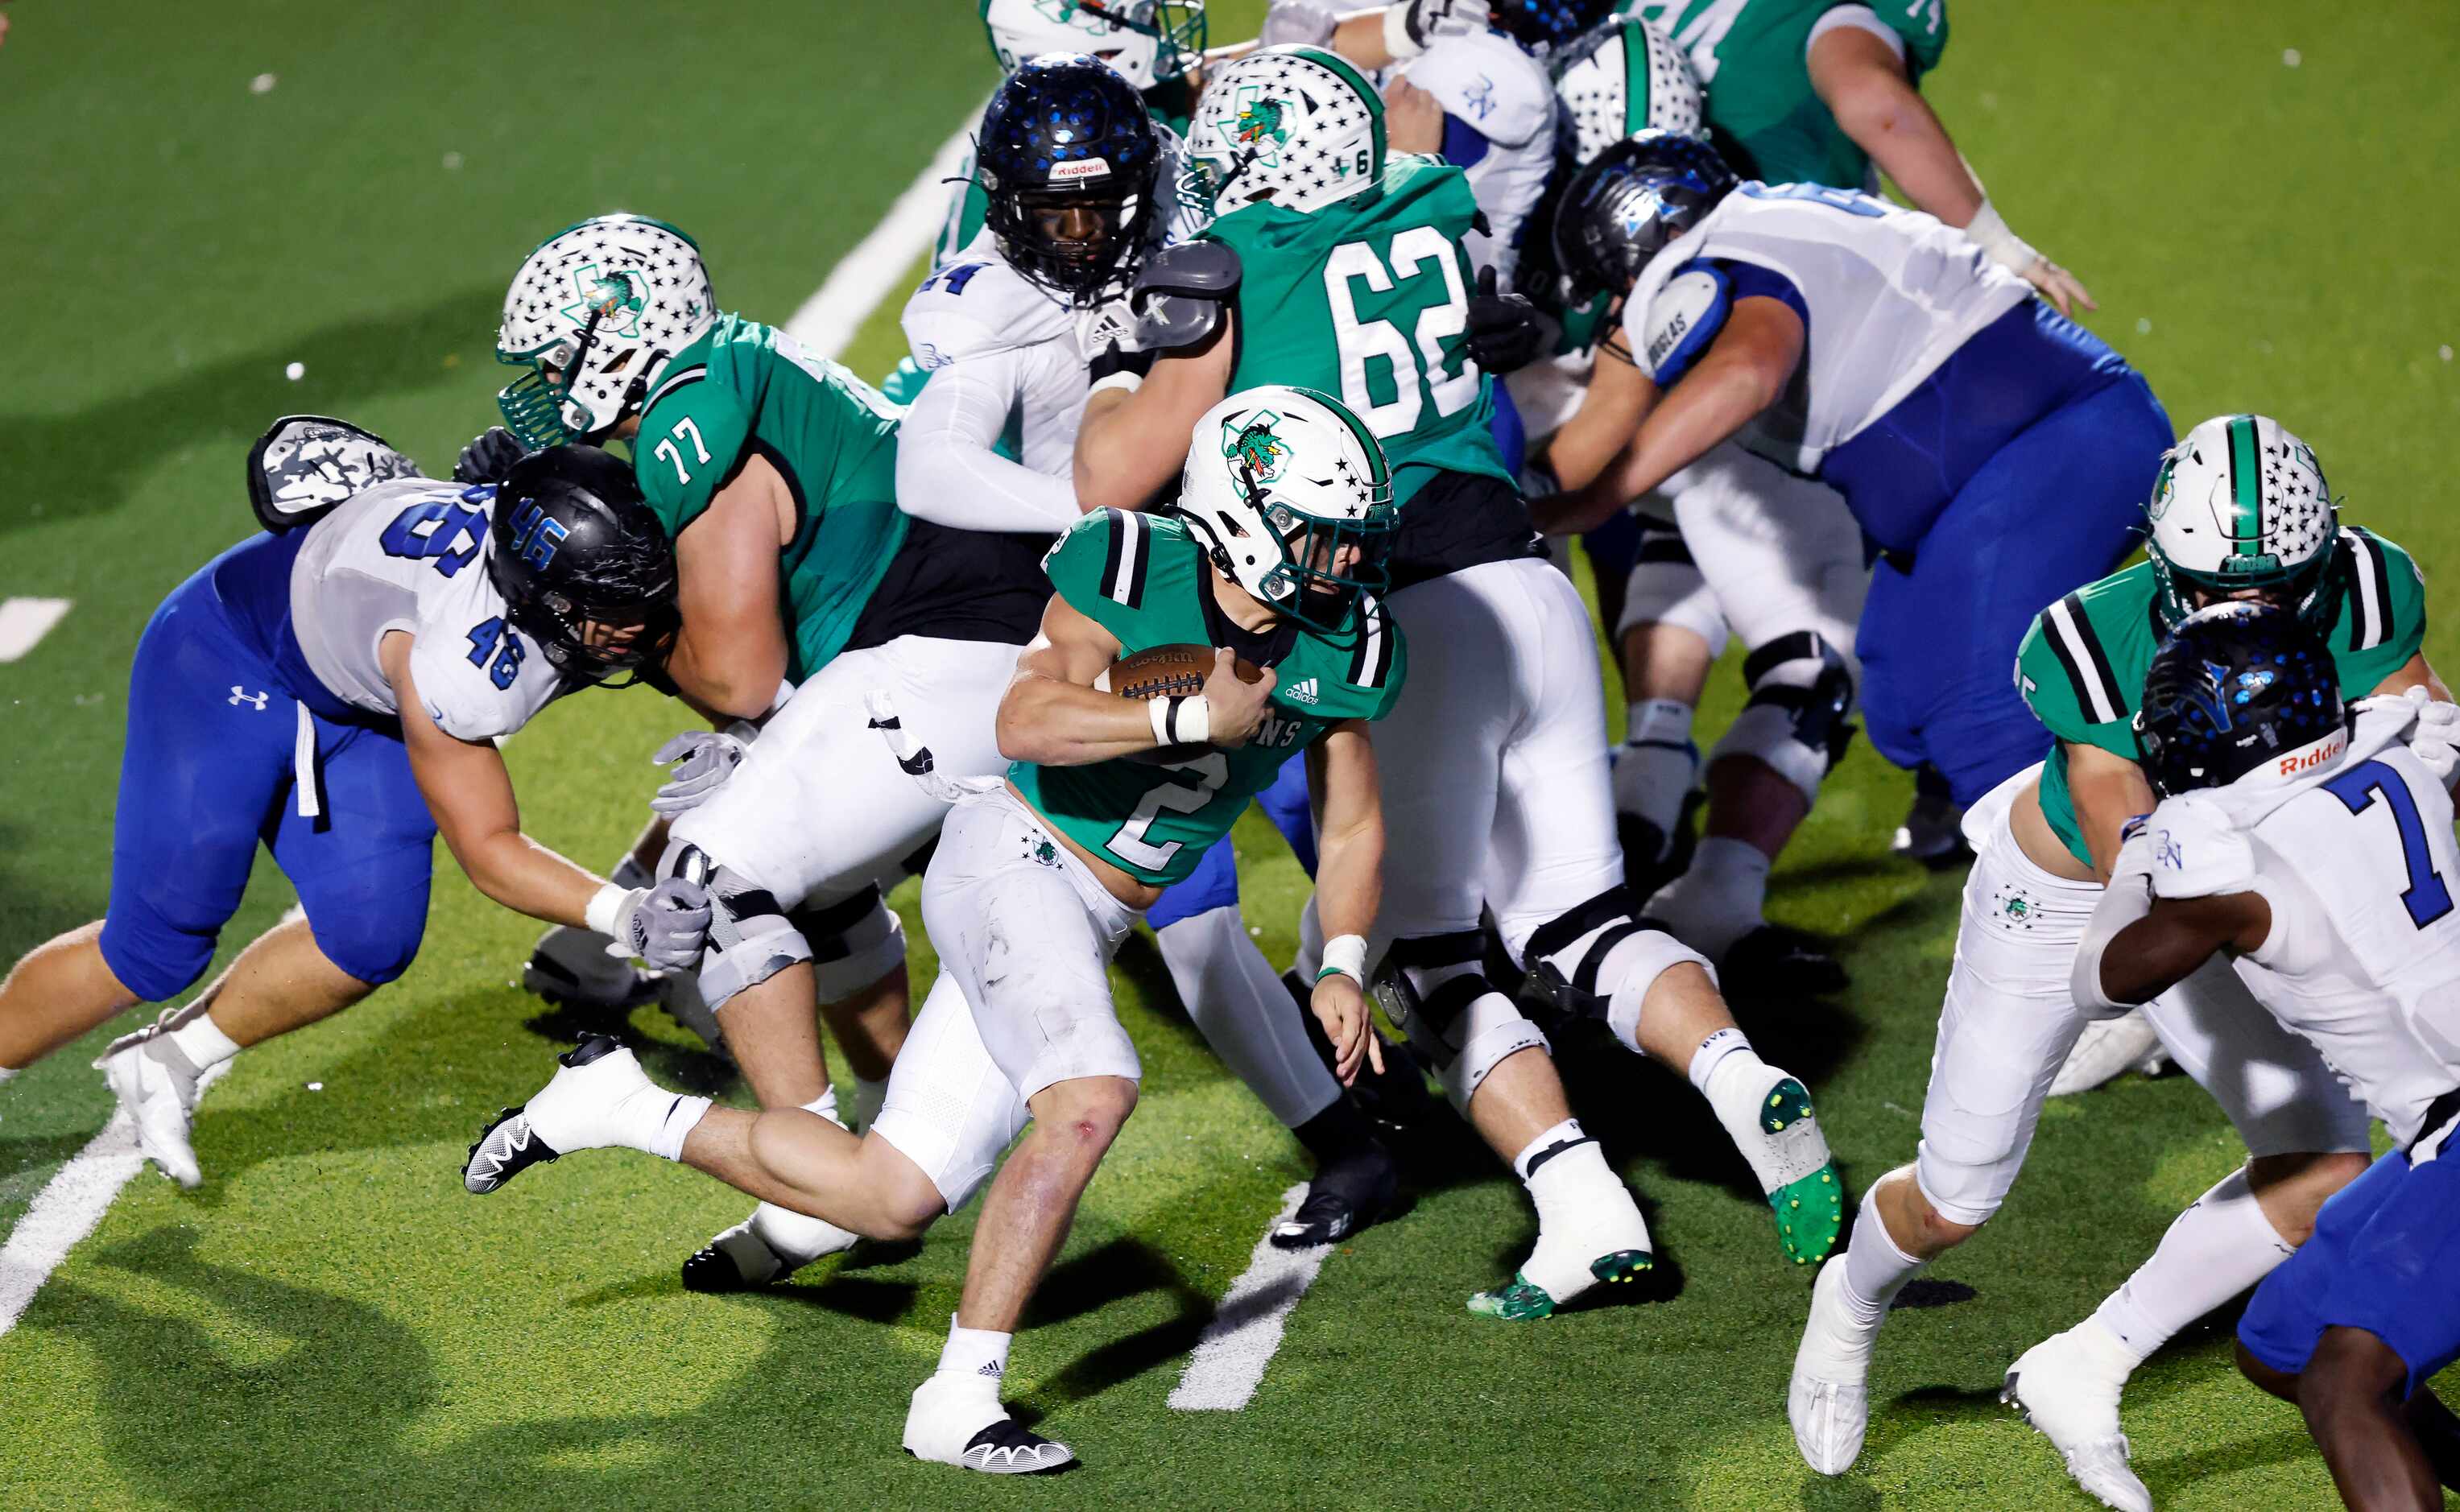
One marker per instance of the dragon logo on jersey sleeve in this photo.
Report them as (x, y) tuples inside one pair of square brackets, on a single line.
[(1254, 446), (614, 297)]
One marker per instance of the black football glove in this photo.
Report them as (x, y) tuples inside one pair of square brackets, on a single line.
[(490, 457), (1506, 332)]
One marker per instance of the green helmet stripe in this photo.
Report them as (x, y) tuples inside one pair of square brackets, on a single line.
[(1635, 77), (1383, 474), (2247, 484)]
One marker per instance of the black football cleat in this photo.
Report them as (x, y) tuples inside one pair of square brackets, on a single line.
[(1347, 1194), (1773, 961)]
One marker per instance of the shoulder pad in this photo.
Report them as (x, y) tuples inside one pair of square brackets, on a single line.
[(1179, 293), (692, 434), (976, 304), (303, 465), (1487, 83), (1680, 322), (2197, 850)]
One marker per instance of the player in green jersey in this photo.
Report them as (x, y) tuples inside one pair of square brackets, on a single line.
[(1330, 266), (2239, 511), (803, 586), (1272, 559)]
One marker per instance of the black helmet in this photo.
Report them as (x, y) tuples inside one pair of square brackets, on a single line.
[(1066, 130), (2235, 686), (581, 561), (1542, 24), (1631, 200)]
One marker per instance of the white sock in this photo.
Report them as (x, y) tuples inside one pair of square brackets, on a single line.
[(2215, 1249), (978, 1354), (1567, 1132), (1718, 898), (1585, 1212), (1657, 764), (673, 1120), (203, 1042), (868, 1096), (1712, 1053), (1876, 1269), (5, 1072)]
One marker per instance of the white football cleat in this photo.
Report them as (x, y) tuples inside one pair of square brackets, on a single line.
[(2108, 1049), (1608, 1243), (570, 968), (763, 1249), (156, 1087), (2068, 1388), (581, 1108), (1828, 1396), (955, 1420)]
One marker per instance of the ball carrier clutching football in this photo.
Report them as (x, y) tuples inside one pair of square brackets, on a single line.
[(1332, 267), (1273, 559)]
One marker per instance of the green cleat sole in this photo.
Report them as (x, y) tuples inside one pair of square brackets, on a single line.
[(1810, 1215), (1523, 1299)]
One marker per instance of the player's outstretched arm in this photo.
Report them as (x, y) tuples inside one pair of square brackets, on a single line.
[(1744, 371), (948, 470), (1349, 889), (2163, 944), (1862, 83), (1617, 399), (1133, 440), (731, 653)]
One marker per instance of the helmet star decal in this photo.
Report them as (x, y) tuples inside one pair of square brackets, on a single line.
[(614, 297), (1255, 447)]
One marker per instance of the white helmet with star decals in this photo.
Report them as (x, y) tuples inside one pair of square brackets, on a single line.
[(1291, 496), (604, 305), (1149, 42), (2241, 507), (1621, 79), (1296, 126)]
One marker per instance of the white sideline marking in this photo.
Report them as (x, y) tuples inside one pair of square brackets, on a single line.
[(828, 320), (1229, 1361), (24, 621), (69, 1206)]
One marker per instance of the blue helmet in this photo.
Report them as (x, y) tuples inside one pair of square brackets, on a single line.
[(2235, 687), (1631, 200), (1542, 24), (586, 569), (1069, 158)]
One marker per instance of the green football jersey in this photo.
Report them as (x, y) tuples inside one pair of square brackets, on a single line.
[(2082, 666), (745, 387), (1750, 57), (1144, 579), (1368, 299)]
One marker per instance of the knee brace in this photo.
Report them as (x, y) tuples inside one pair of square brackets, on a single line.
[(1436, 990), (750, 937), (1666, 587), (1599, 958), (1797, 718), (854, 942)]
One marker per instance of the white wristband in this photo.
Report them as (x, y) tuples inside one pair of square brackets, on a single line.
[(605, 908), (1397, 40), (1123, 381), (1347, 955), (1181, 720), (1989, 232)]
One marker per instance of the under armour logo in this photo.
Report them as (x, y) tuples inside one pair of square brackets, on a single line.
[(240, 695)]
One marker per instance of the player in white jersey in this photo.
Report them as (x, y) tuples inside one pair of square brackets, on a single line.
[(1008, 334), (2313, 850), (335, 688)]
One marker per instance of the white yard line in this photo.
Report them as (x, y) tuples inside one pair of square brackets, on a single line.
[(69, 1206), (876, 269), (1229, 1361), (24, 621)]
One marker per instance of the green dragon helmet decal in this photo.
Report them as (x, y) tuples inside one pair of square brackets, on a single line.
[(2240, 506), (1293, 501), (1150, 42), (1293, 126), (604, 305), (1623, 78)]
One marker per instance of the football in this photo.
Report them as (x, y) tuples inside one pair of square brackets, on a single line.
[(1169, 671)]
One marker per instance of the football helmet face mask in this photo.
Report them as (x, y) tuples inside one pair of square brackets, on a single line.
[(2235, 688), (1291, 496), (2238, 507), (1150, 42), (1622, 79), (586, 569), (1624, 208), (1542, 25), (604, 305), (1296, 126), (1069, 158)]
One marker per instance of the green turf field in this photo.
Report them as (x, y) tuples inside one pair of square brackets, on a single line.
[(330, 1321)]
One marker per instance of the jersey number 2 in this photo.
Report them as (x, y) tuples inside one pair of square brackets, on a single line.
[(2426, 897), (684, 429), (1417, 369), (1129, 845)]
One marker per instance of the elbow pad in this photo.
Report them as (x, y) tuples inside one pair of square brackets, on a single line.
[(1180, 294)]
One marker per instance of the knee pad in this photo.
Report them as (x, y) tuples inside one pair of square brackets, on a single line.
[(1435, 988), (1599, 957), (750, 937), (854, 942), (1797, 720), (1666, 587)]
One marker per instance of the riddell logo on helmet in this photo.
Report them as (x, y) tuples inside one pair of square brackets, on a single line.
[(2312, 757), (1081, 169)]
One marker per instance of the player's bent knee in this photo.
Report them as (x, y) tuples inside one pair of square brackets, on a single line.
[(2283, 1384), (854, 943), (154, 961), (750, 937), (1434, 990), (2293, 1188), (374, 951), (1600, 959), (1798, 719), (2350, 1366), (1090, 1110)]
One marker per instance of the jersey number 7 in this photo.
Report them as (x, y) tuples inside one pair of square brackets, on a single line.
[(2426, 897)]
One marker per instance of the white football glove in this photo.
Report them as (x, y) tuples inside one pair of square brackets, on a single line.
[(704, 759), (2435, 738), (1307, 21), (1410, 25), (666, 926)]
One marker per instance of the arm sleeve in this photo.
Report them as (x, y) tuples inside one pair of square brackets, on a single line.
[(2197, 849), (460, 694), (946, 472)]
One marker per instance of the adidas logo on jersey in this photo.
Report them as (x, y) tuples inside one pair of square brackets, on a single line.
[(1303, 692)]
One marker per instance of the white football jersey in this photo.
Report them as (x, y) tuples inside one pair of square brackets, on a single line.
[(2357, 861), (1892, 293), (412, 556), (977, 308), (1488, 83)]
